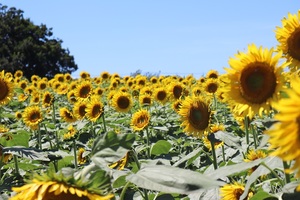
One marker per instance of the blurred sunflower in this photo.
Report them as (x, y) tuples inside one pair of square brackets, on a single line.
[(63, 88), (288, 37), (212, 74), (176, 105), (32, 116), (284, 135), (68, 77), (120, 164), (154, 79), (94, 109), (59, 77), (176, 89), (202, 80), (211, 85), (71, 96), (140, 120), (65, 185), (98, 91), (252, 155), (145, 100), (105, 75), (84, 75), (254, 81), (80, 158), (213, 129), (35, 98), (67, 115), (122, 101), (79, 109), (47, 99), (83, 90), (18, 115), (22, 97), (18, 74), (35, 78), (195, 116), (161, 95), (71, 134), (197, 90), (6, 89), (23, 84), (42, 84), (233, 191)]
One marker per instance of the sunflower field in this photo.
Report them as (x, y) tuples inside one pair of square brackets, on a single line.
[(230, 136)]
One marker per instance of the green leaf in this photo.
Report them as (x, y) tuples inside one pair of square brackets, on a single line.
[(161, 147), (30, 153), (21, 138), (261, 195), (170, 179), (120, 182), (190, 157)]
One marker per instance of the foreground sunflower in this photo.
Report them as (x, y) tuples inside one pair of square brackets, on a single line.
[(284, 135), (32, 116), (6, 89), (254, 81), (288, 37), (195, 114), (233, 192), (63, 186), (140, 120), (122, 101)]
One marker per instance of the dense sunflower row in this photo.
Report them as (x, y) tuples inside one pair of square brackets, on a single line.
[(217, 113)]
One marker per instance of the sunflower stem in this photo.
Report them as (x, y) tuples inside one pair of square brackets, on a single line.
[(246, 121), (75, 154), (136, 160), (122, 195), (148, 142), (287, 175), (254, 135), (16, 164), (54, 122), (39, 138), (274, 173), (223, 153), (104, 124), (214, 154)]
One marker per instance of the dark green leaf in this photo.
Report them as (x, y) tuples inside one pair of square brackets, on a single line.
[(161, 147)]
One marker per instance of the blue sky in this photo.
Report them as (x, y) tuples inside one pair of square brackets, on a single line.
[(170, 37)]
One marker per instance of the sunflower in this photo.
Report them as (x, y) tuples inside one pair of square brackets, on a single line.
[(161, 95), (288, 37), (42, 84), (18, 115), (35, 98), (84, 75), (59, 77), (176, 90), (120, 164), (122, 101), (18, 74), (65, 185), (80, 158), (63, 88), (83, 90), (105, 75), (79, 109), (213, 129), (22, 97), (6, 90), (71, 96), (284, 135), (153, 79), (141, 81), (145, 100), (140, 120), (71, 134), (47, 99), (214, 74), (32, 116), (98, 91), (67, 115), (195, 114), (35, 78), (197, 90), (94, 108), (252, 155), (23, 84), (202, 80), (254, 81), (68, 77), (176, 105), (211, 85), (233, 191), (146, 90)]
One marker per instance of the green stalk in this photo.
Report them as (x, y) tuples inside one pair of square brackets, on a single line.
[(246, 121), (287, 175), (39, 138), (148, 143), (254, 136), (274, 173), (122, 195), (214, 154), (16, 164), (223, 153), (75, 154), (54, 122), (104, 125)]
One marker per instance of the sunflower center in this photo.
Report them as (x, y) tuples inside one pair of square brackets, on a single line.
[(238, 192), (258, 82), (141, 121), (82, 110), (161, 95), (84, 91), (212, 87), (96, 110), (123, 102), (294, 44), (177, 91), (34, 117), (199, 116), (4, 89), (146, 100)]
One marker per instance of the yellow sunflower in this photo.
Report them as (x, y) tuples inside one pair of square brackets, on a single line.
[(213, 129), (47, 99), (18, 115), (71, 134), (252, 155), (94, 108), (80, 158), (212, 74), (18, 74), (176, 105), (63, 186), (67, 115), (84, 75), (161, 95), (79, 109), (195, 115), (211, 85), (68, 77), (83, 90), (71, 96), (288, 37), (122, 101), (35, 98), (233, 191), (284, 135), (105, 75), (140, 120), (42, 84), (154, 79), (23, 84), (120, 164), (6, 90), (145, 100), (176, 89), (32, 116), (254, 81)]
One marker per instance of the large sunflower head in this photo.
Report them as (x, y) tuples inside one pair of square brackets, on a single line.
[(288, 37), (66, 185), (6, 90), (140, 120), (122, 101), (94, 108), (284, 135), (83, 90), (32, 116), (79, 109), (196, 114), (254, 80)]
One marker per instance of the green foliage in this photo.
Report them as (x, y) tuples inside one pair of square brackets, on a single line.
[(31, 48)]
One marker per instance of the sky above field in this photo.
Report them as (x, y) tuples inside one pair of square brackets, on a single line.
[(166, 37)]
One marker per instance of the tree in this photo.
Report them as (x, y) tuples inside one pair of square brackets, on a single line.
[(30, 48)]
